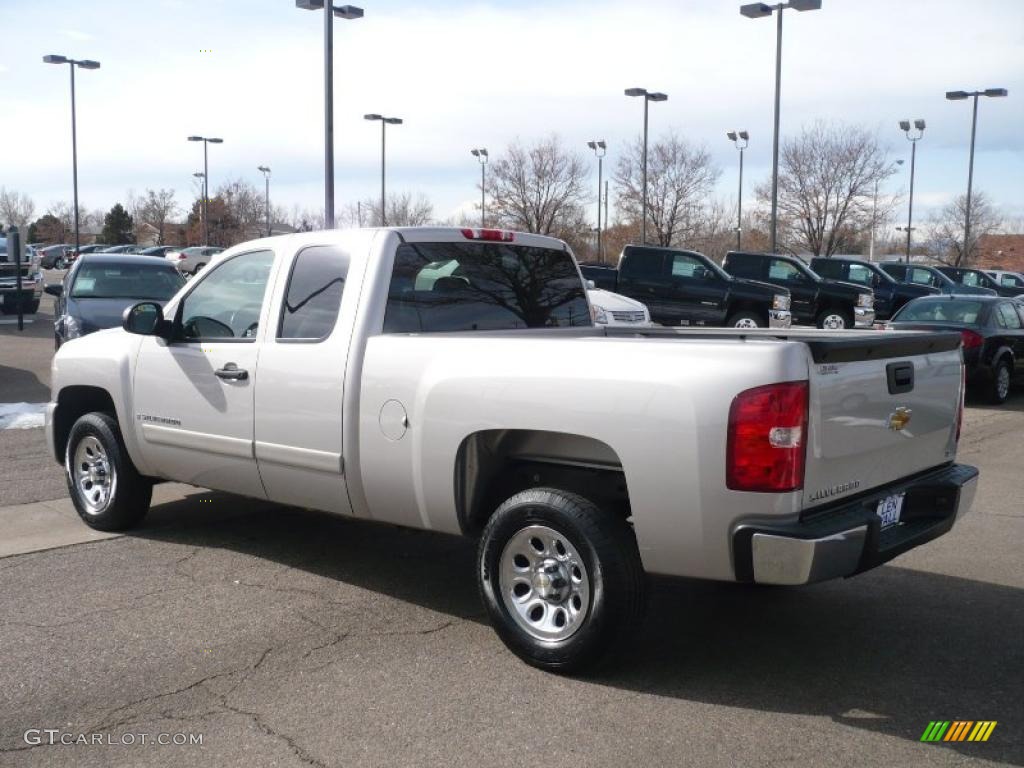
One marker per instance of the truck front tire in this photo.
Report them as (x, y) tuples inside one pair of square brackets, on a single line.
[(835, 319), (108, 492), (561, 579), (744, 319)]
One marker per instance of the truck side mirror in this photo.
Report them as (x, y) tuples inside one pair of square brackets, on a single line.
[(145, 319), (54, 289)]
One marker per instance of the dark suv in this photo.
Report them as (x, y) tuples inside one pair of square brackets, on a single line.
[(825, 303), (890, 294), (922, 274), (687, 288), (975, 278)]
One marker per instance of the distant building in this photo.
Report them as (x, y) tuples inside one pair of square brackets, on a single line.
[(1001, 252)]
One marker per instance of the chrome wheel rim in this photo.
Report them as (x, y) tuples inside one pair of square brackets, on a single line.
[(93, 475), (544, 583), (746, 322), (834, 322), (1003, 382)]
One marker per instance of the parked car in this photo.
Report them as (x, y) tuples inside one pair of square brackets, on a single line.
[(992, 328), (614, 309), (54, 256), (31, 281), (1007, 278), (125, 248), (191, 260), (159, 250), (489, 405), (687, 288), (81, 251), (977, 278), (921, 274), (100, 286), (890, 294), (829, 304)]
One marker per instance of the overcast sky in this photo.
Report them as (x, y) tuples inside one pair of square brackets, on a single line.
[(470, 74)]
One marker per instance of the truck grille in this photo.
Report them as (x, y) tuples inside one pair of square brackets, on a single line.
[(628, 316)]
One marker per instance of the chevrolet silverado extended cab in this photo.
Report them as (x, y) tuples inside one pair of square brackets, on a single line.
[(363, 373)]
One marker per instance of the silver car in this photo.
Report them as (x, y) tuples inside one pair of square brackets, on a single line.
[(191, 260)]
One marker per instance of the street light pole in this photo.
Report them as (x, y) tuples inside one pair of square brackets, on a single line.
[(384, 123), (755, 11), (648, 98), (905, 127), (342, 12), (959, 96), (206, 183), (84, 64), (736, 137), (266, 178), (600, 150), (481, 155)]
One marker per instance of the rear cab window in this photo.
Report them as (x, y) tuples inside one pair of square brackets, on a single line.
[(480, 286), (745, 265)]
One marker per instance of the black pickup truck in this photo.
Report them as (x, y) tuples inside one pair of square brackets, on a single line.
[(975, 278), (826, 303), (890, 294), (687, 288)]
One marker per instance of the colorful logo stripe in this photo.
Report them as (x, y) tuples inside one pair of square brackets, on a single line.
[(959, 730)]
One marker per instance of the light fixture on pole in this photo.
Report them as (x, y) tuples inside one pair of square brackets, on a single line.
[(648, 98), (83, 64), (384, 123), (736, 137), (600, 150), (913, 139), (959, 96), (342, 12), (481, 155), (206, 184), (266, 178), (757, 11)]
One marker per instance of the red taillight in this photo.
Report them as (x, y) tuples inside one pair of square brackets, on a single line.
[(181, 256), (494, 235), (971, 339), (767, 439)]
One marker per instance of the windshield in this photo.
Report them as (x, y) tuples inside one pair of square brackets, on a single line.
[(956, 311), (126, 281)]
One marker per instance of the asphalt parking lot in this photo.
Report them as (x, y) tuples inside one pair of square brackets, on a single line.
[(287, 637)]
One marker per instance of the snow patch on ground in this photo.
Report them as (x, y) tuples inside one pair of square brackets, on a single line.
[(21, 415)]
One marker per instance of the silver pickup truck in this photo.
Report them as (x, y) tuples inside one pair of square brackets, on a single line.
[(453, 380)]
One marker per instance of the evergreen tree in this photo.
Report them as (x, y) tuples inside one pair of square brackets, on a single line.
[(118, 227)]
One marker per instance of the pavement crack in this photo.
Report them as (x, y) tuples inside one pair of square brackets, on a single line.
[(180, 563), (269, 730)]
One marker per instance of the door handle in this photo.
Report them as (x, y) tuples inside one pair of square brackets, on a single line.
[(231, 372)]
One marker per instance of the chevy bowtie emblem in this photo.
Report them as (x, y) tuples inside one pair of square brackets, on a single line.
[(899, 419)]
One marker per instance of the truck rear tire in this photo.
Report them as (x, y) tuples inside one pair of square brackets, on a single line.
[(561, 579), (744, 319), (108, 492), (998, 389), (834, 319)]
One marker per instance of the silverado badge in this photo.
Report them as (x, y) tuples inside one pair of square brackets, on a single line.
[(899, 419)]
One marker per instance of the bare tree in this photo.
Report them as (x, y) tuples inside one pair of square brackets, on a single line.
[(679, 179), (827, 178), (946, 243), (403, 211), (156, 208), (16, 209), (538, 188)]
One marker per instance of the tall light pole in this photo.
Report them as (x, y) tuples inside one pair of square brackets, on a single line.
[(756, 11), (600, 150), (481, 155), (84, 64), (958, 96), (648, 98), (342, 12), (266, 178), (736, 137), (202, 217), (206, 183), (384, 123), (905, 127)]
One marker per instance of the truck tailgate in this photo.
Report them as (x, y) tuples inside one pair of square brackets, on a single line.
[(883, 406)]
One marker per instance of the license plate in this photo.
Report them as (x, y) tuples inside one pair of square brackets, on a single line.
[(889, 510)]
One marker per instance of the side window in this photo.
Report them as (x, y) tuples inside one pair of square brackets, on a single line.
[(1008, 318), (1011, 281), (970, 278), (687, 266), (922, 277), (784, 271), (313, 296), (227, 302), (861, 274), (643, 264)]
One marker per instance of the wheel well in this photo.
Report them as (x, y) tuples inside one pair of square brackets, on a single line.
[(835, 306), (492, 465), (73, 403)]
